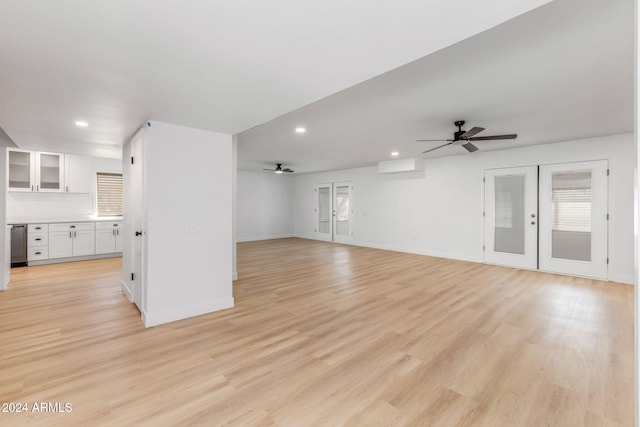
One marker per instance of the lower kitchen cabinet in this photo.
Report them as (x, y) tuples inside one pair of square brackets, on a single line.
[(108, 237), (71, 239)]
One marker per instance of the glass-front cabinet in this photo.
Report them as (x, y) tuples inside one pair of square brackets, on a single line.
[(35, 171)]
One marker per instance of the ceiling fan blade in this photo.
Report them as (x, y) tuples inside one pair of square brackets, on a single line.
[(489, 138), (471, 132), (270, 170), (432, 140), (470, 147), (440, 146), (287, 170)]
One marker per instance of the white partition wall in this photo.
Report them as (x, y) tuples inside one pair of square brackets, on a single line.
[(5, 260), (186, 226)]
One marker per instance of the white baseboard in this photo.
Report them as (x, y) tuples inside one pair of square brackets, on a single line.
[(154, 319), (621, 278), (127, 291), (234, 275), (74, 259), (255, 238), (437, 254)]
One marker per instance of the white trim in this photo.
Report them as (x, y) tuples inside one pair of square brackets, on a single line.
[(234, 275), (185, 312), (621, 278), (127, 291), (253, 239), (73, 259), (436, 254)]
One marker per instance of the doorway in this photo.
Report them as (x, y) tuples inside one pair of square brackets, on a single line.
[(334, 212), (548, 217)]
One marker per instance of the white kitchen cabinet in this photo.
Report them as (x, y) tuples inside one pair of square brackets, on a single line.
[(71, 239), (108, 237), (78, 173), (35, 171), (37, 242), (21, 170)]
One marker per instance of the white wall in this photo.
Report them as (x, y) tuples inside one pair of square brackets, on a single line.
[(188, 226), (234, 208), (438, 211), (25, 207), (265, 206), (4, 232)]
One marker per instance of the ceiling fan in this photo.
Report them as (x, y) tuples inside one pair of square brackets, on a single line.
[(279, 169), (464, 138)]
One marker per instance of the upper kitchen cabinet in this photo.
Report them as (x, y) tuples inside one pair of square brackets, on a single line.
[(35, 171), (78, 171), (21, 170)]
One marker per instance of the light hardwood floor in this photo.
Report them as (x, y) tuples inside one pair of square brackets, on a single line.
[(324, 335)]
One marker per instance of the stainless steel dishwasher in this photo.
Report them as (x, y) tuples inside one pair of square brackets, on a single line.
[(18, 245)]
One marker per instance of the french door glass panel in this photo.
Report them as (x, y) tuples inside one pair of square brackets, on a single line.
[(573, 223), (342, 212), (511, 217), (509, 214), (323, 212), (571, 206)]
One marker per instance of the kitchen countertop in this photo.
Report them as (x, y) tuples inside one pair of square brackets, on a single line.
[(60, 221)]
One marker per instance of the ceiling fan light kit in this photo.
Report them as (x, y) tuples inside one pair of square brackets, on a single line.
[(464, 138), (279, 169)]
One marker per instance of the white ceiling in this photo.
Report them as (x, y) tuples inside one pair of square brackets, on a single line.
[(561, 72), (220, 65)]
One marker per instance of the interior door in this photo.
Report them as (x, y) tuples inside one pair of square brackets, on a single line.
[(137, 215), (573, 218), (511, 217), (342, 212), (323, 212)]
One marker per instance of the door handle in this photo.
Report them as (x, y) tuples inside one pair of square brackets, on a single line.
[(138, 233), (533, 223)]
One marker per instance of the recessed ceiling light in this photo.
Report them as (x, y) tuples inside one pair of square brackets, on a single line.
[(395, 153), (300, 130), (82, 124)]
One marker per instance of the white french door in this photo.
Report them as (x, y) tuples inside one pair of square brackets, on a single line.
[(511, 217), (334, 212), (552, 218), (573, 218)]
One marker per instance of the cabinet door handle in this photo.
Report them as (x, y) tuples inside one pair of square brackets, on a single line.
[(72, 226), (38, 253), (67, 188), (31, 187), (38, 228), (38, 239), (117, 232), (37, 188), (70, 236), (74, 234)]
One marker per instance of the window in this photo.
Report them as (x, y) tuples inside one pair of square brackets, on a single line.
[(109, 194)]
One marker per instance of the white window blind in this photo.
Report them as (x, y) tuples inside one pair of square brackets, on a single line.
[(109, 194), (571, 201)]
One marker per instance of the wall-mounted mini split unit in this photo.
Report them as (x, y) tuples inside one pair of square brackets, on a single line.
[(401, 165)]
